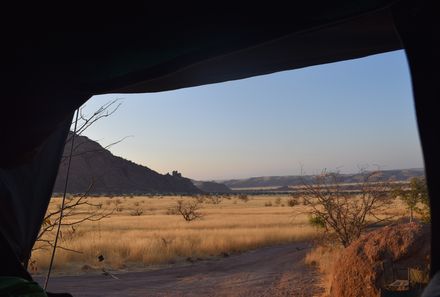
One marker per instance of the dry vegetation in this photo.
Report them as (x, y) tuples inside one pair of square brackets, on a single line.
[(145, 231), (346, 218), (325, 254), (324, 258)]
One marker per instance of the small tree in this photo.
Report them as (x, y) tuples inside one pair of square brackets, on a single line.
[(189, 209), (343, 214), (416, 195), (425, 210)]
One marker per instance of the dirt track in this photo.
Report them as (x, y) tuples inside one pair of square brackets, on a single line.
[(271, 271)]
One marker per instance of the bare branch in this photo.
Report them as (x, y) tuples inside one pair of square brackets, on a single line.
[(342, 213), (75, 210), (189, 209)]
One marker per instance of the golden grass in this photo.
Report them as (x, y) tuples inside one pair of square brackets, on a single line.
[(157, 238), (324, 258)]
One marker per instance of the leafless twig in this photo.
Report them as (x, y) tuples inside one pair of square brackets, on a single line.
[(340, 212)]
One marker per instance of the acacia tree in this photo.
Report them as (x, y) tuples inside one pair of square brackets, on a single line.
[(189, 209), (343, 213), (416, 198)]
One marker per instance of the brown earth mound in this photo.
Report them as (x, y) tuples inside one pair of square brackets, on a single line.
[(360, 269)]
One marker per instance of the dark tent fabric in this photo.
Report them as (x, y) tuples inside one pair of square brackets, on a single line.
[(54, 62), (150, 48), (25, 193)]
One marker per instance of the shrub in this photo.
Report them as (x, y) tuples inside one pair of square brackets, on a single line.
[(199, 198), (214, 199), (189, 209), (243, 197), (137, 212), (292, 201), (317, 221)]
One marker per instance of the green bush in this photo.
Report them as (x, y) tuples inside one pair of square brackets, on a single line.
[(317, 222)]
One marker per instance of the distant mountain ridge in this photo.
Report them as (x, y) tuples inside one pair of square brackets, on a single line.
[(295, 180), (92, 165), (212, 187)]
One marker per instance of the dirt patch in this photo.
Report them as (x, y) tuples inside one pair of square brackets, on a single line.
[(270, 272), (360, 268)]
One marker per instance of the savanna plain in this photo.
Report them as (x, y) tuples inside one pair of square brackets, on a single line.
[(145, 232)]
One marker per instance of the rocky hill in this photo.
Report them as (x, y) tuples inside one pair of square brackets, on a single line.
[(96, 167)]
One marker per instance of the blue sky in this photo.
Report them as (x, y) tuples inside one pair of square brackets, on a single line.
[(340, 115)]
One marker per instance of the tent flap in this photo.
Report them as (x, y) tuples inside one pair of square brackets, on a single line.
[(25, 192)]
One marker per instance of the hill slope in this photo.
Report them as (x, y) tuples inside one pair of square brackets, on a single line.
[(109, 174), (212, 187)]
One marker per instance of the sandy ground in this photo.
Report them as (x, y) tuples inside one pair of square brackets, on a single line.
[(272, 271)]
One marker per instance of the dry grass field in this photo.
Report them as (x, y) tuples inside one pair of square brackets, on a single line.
[(131, 242)]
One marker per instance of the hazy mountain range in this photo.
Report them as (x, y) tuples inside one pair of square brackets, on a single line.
[(96, 169), (212, 187), (294, 180)]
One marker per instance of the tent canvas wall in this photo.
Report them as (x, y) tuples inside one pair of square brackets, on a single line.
[(57, 57)]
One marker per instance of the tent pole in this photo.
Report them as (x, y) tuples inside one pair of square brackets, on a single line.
[(62, 203)]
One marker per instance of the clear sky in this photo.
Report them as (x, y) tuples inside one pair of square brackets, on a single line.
[(340, 115)]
